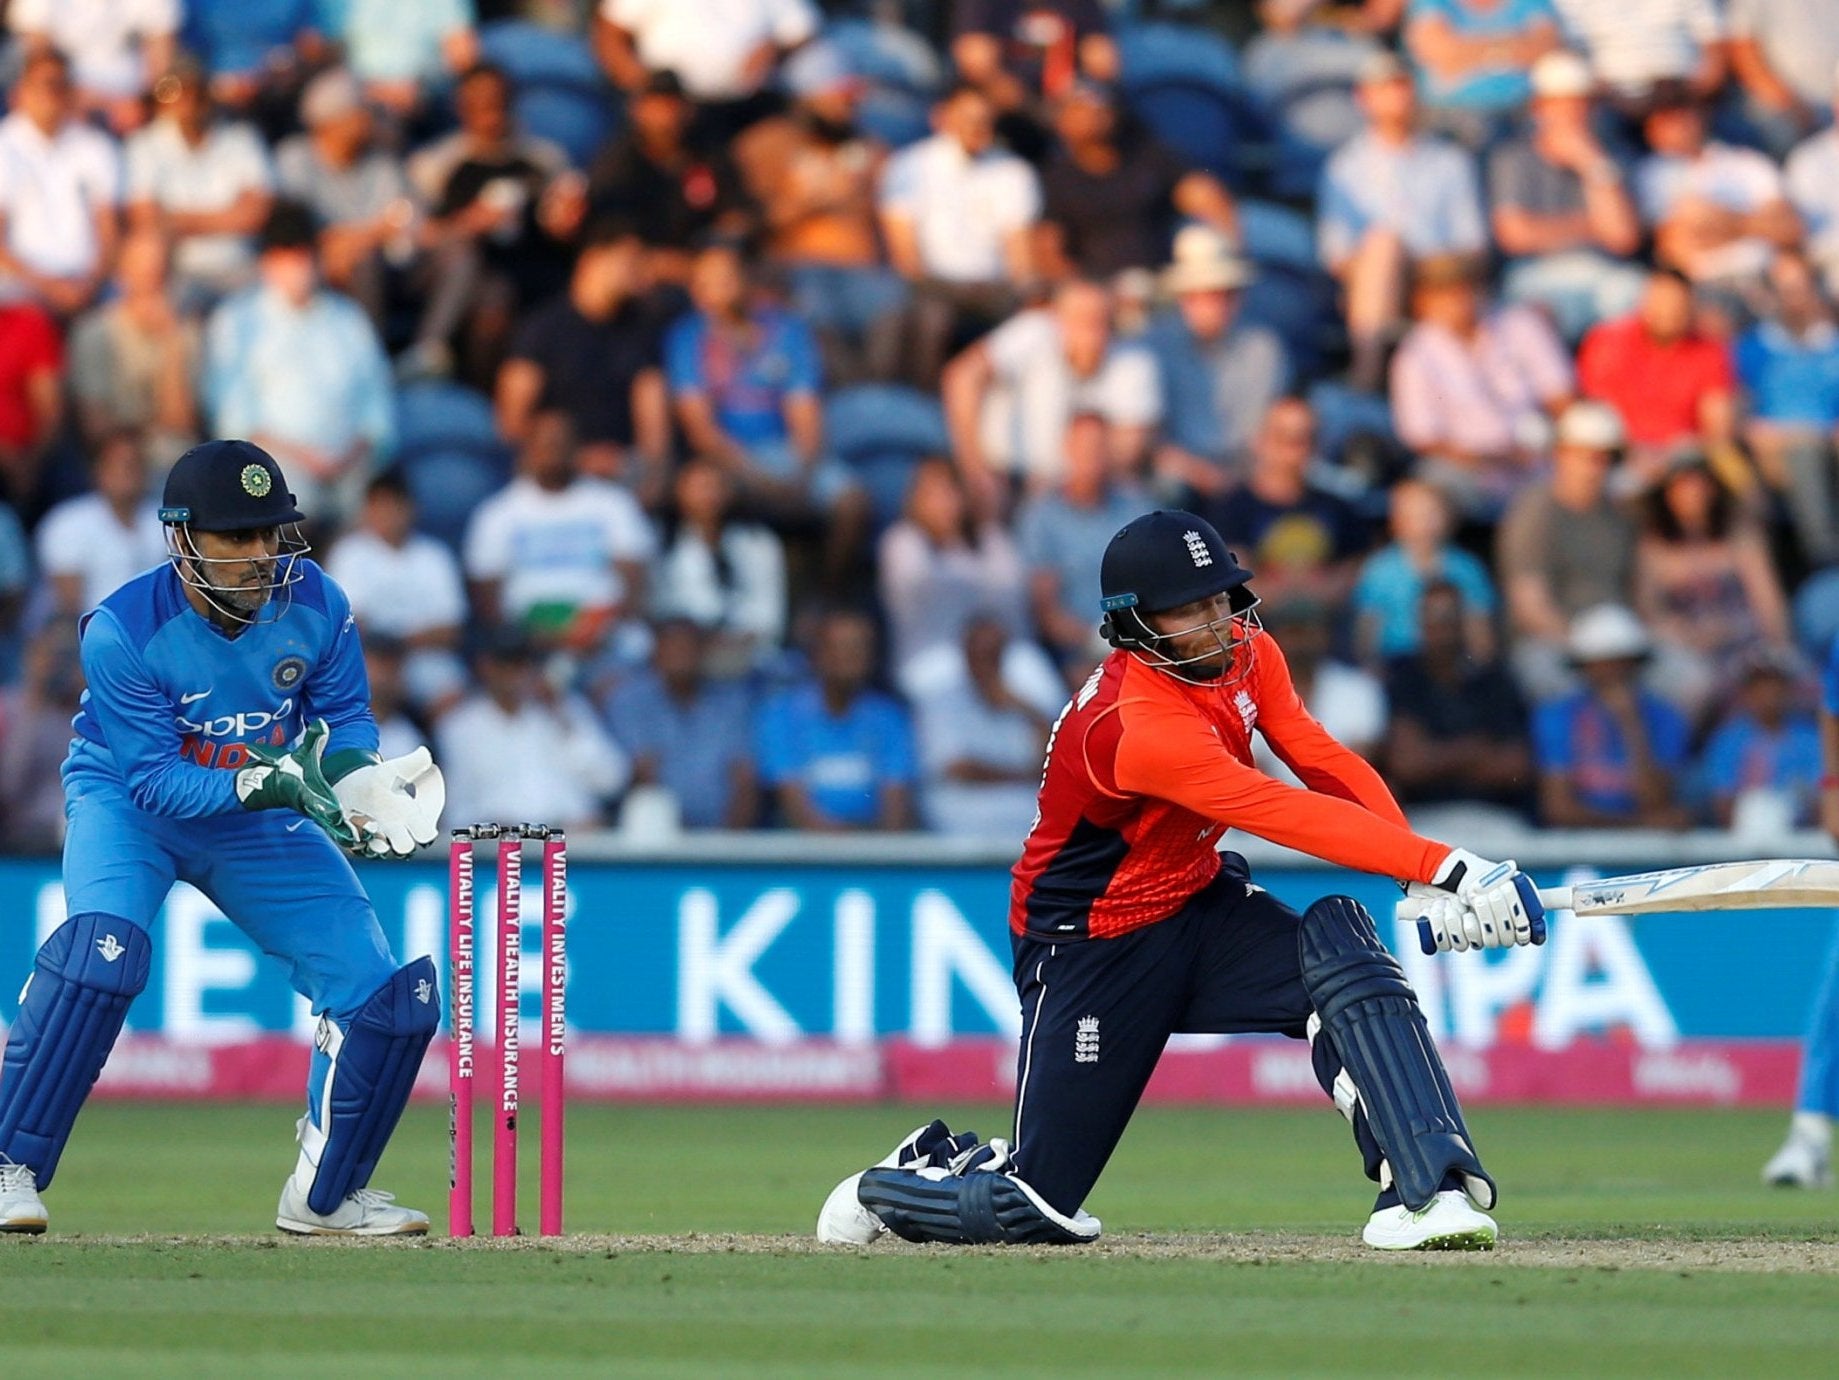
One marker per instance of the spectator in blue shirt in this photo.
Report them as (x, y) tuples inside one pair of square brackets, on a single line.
[(1610, 753), (744, 382), (688, 734), (1473, 56), (1767, 744), (257, 51), (837, 754), (1788, 363), (1391, 583)]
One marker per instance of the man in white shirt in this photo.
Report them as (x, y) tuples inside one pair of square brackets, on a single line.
[(1812, 185), (93, 544), (957, 214), (1010, 396), (117, 48), (406, 587), (560, 555), (205, 182), (60, 182), (1633, 45), (722, 50)]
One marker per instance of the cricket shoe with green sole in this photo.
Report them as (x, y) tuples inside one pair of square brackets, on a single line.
[(21, 1209), (1448, 1222), (368, 1212)]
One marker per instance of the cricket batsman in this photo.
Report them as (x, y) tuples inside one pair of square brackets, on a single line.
[(1129, 925), (226, 740)]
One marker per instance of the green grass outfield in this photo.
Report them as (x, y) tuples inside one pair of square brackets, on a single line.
[(1636, 1243)]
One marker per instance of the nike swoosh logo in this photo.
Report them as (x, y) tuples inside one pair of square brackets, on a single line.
[(197, 695), (295, 825)]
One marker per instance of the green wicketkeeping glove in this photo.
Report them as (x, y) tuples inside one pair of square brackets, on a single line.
[(296, 780)]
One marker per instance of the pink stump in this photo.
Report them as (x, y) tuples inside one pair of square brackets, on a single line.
[(555, 1027), (510, 973), (460, 1035)]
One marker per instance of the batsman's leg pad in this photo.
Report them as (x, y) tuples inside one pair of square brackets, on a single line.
[(86, 976), (364, 1070), (1378, 1030), (981, 1208), (1338, 1083)]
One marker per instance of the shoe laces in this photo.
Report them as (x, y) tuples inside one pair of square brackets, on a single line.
[(16, 1176), (372, 1197)]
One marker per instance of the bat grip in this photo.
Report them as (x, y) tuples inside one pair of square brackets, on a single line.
[(1551, 897), (1556, 897)]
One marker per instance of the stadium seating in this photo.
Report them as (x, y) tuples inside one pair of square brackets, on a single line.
[(881, 431)]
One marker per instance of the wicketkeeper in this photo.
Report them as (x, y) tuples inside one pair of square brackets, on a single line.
[(1128, 924), (226, 740)]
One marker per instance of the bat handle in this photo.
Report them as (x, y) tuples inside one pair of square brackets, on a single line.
[(1551, 897), (1555, 897)]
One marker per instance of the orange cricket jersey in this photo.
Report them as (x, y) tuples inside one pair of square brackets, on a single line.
[(1145, 772)]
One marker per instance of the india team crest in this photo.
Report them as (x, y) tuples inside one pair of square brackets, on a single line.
[(256, 482), (288, 671)]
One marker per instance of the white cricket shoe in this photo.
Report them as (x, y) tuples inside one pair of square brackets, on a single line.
[(21, 1209), (1804, 1161), (1449, 1222), (843, 1221), (367, 1212)]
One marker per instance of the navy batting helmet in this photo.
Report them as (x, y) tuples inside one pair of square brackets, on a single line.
[(1161, 561), (227, 486)]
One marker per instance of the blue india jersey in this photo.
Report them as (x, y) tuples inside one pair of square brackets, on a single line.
[(173, 703)]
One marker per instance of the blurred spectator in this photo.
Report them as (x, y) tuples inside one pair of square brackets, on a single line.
[(116, 49), (1114, 196), (1024, 54), (1668, 381), (385, 663), (725, 51), (1458, 727), (672, 184), (688, 733), (1561, 210), (594, 353), (744, 381), (1763, 759), (498, 203), (204, 183), (60, 181), (31, 395), (300, 371), (1717, 210), (1062, 533), (1473, 57), (724, 574), (257, 53), (1633, 48), (406, 587), (1610, 753), (91, 545), (519, 749), (1705, 585), (957, 213), (1219, 374), (135, 361), (1784, 54), (559, 554), (1009, 397), (359, 193), (403, 52), (814, 174), (1389, 592), (15, 581), (1347, 701), (939, 566), (1564, 546), (981, 746), (1303, 62), (837, 754), (1789, 365), (1388, 195), (1811, 182), (1474, 389), (1304, 542), (35, 719)]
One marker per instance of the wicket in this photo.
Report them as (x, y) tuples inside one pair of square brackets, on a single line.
[(461, 1048)]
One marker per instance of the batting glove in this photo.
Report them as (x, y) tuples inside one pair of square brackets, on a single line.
[(1504, 900), (1444, 923)]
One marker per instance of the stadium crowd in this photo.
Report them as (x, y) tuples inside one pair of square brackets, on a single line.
[(716, 409)]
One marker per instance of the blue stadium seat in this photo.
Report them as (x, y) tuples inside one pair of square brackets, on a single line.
[(1299, 304), (902, 76), (1208, 126), (440, 410), (530, 52), (449, 452), (1273, 234), (881, 430), (1159, 52), (579, 119), (562, 95)]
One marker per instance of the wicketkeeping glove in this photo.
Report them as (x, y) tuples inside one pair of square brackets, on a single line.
[(295, 779), (401, 800), (1503, 905)]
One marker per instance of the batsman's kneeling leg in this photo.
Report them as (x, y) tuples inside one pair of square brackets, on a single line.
[(363, 1072), (1373, 1018), (981, 1208), (86, 976)]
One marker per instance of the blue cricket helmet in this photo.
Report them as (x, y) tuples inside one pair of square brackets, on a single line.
[(1165, 559), (227, 486)]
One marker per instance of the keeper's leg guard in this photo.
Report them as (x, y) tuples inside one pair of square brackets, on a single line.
[(981, 1208), (363, 1071), (86, 976), (1372, 1016)]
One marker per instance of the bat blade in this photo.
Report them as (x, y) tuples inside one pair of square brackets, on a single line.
[(1764, 884)]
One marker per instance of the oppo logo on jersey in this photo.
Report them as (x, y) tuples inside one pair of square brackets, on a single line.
[(260, 726), (244, 725)]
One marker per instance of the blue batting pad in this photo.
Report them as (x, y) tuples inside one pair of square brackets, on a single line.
[(86, 976)]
